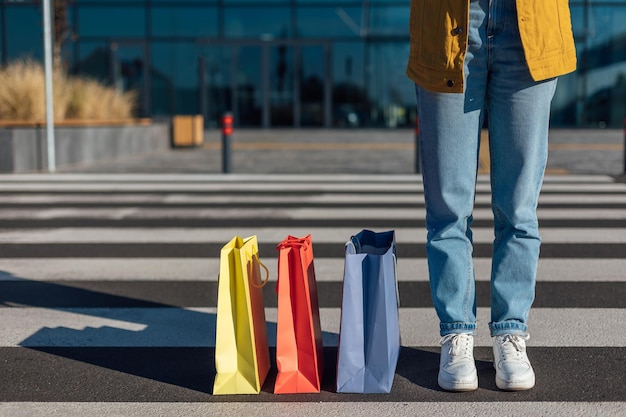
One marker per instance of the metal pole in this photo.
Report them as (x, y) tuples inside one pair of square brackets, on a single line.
[(47, 42), (227, 131), (202, 90)]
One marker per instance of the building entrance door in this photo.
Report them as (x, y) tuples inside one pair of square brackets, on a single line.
[(280, 84), (274, 83)]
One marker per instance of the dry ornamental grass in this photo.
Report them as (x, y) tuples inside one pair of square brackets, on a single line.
[(22, 96)]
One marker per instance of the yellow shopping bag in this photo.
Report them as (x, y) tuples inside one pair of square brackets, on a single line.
[(242, 358)]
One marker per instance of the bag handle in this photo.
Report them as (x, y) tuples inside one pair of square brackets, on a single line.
[(267, 273), (292, 242)]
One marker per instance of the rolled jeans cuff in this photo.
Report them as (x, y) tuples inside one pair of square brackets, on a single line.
[(507, 327), (449, 328)]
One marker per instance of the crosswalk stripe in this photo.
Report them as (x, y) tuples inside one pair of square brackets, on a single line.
[(276, 234), (411, 199), (327, 269), (195, 327), (108, 291)]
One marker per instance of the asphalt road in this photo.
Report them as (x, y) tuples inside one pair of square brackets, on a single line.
[(108, 293)]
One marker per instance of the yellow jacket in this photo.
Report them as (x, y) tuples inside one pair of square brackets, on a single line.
[(439, 41)]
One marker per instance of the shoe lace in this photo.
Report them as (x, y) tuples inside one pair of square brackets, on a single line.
[(512, 346), (460, 344)]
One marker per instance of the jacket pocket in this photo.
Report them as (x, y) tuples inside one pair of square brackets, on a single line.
[(432, 24)]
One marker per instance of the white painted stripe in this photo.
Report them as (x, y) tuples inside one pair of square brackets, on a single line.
[(583, 187), (354, 408), (279, 187), (362, 186), (578, 270), (189, 327), (261, 178), (596, 199), (275, 235), (571, 178), (326, 269), (418, 213), (110, 269), (176, 199), (219, 178)]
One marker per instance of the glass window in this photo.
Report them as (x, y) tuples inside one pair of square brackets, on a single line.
[(114, 1), (606, 23), (331, 2), (175, 77), (312, 73), (281, 73), (578, 22), (389, 21), (564, 109), (595, 95), (324, 22), (173, 2), (216, 85), (391, 93), (24, 32), (262, 2), (255, 22), (184, 21), (94, 60), (128, 70), (111, 21), (368, 88), (2, 37), (121, 65), (249, 88), (349, 97)]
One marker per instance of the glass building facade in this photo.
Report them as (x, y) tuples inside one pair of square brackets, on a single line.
[(291, 63)]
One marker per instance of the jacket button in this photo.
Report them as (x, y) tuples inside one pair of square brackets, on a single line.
[(450, 83), (457, 30)]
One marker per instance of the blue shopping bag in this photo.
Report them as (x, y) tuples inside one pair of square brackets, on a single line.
[(369, 335)]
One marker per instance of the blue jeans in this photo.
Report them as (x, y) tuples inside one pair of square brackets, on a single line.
[(497, 82)]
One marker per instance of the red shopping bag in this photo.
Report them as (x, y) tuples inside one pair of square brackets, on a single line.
[(299, 350)]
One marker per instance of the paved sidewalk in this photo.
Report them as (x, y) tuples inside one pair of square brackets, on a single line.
[(373, 151)]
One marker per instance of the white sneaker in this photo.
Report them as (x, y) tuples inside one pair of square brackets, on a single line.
[(457, 369), (513, 369)]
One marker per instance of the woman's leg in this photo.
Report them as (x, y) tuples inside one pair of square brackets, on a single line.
[(519, 111), (449, 140)]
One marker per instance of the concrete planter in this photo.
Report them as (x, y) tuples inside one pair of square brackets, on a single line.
[(23, 145)]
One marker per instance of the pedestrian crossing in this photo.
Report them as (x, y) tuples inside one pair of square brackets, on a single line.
[(108, 290)]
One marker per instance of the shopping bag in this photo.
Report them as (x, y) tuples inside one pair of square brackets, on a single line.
[(299, 350), (242, 358), (369, 335)]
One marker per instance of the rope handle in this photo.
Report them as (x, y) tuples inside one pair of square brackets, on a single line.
[(267, 273)]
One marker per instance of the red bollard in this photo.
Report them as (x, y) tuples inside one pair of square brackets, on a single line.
[(227, 124), (227, 131)]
